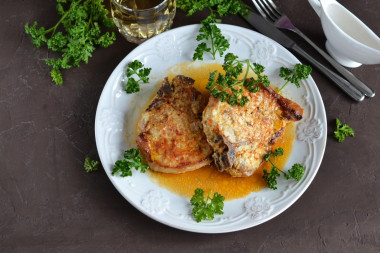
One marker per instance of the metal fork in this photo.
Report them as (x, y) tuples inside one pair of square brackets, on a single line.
[(273, 14)]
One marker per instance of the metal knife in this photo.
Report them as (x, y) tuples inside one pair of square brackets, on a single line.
[(268, 29)]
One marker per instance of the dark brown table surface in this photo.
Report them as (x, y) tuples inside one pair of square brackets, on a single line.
[(48, 203)]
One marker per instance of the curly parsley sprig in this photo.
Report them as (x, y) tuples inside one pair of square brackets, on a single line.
[(132, 159), (90, 165), (205, 208), (296, 172), (75, 35), (299, 72), (342, 131), (222, 7), (209, 31), (136, 68), (229, 87)]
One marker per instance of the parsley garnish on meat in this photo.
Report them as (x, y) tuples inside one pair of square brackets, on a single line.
[(132, 159), (342, 130), (296, 172), (75, 35), (209, 31), (299, 72), (136, 68), (228, 87), (90, 165), (205, 208)]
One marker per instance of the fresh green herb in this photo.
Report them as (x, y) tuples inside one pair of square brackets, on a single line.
[(222, 7), (209, 31), (132, 159), (299, 72), (205, 208), (228, 87), (90, 165), (296, 172), (271, 177), (75, 35), (136, 68), (342, 130)]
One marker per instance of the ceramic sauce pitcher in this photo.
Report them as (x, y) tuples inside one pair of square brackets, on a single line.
[(349, 40)]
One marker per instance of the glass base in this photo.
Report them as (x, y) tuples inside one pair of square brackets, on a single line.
[(136, 40)]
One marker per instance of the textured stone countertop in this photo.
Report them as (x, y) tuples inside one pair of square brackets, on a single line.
[(48, 203)]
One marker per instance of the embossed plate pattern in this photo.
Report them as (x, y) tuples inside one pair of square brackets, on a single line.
[(118, 112)]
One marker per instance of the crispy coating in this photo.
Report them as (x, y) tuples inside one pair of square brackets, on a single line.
[(170, 131), (241, 136)]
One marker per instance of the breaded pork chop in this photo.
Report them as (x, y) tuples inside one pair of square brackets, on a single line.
[(241, 136), (170, 131)]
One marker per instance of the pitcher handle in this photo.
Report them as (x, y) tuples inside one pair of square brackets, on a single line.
[(316, 4)]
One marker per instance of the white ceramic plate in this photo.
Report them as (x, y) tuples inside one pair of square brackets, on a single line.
[(117, 114)]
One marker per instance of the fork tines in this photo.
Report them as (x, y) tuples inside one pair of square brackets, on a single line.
[(268, 9)]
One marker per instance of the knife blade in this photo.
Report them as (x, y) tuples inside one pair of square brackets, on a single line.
[(269, 30)]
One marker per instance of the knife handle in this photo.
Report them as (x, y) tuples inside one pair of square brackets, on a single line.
[(342, 83), (344, 72)]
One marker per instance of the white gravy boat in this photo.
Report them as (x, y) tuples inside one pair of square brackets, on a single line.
[(349, 41)]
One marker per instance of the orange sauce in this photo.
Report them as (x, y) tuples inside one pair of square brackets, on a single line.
[(209, 178)]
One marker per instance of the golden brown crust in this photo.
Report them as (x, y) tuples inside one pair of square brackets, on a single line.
[(290, 109), (241, 136), (170, 131)]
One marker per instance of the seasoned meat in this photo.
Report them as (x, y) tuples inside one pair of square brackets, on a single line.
[(241, 136), (170, 131)]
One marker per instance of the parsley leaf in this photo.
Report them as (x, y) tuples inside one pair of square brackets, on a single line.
[(75, 36), (222, 7), (209, 31), (136, 68), (342, 130), (205, 208), (299, 72), (296, 172), (271, 177), (228, 87), (56, 75), (132, 159), (90, 165)]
